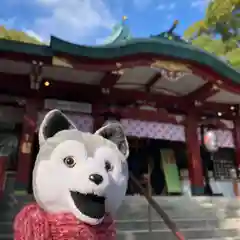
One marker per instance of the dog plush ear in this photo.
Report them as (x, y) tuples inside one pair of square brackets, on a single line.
[(54, 122), (114, 132)]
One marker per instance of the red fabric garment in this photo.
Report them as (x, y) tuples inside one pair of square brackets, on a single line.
[(32, 223)]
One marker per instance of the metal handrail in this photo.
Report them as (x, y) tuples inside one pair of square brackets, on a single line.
[(170, 224)]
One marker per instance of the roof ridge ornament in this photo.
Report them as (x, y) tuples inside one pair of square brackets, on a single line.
[(170, 35), (120, 33)]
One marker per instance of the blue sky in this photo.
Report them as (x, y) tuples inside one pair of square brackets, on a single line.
[(90, 21)]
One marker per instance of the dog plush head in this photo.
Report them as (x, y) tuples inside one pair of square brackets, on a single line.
[(80, 173)]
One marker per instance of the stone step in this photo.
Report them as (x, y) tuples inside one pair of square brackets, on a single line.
[(6, 228), (166, 235), (139, 209), (133, 237), (9, 211), (125, 213), (139, 225), (182, 224), (136, 207), (185, 201), (6, 237), (197, 234)]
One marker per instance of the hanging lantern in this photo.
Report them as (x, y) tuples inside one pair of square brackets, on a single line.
[(210, 141)]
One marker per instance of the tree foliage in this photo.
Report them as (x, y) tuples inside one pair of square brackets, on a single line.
[(234, 58), (205, 42), (17, 36), (219, 31)]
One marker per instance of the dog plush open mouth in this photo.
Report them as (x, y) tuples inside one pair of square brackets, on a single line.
[(90, 205)]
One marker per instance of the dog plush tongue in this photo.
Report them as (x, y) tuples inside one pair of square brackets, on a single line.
[(35, 224)]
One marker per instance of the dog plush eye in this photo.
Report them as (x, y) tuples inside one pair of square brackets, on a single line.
[(108, 166), (69, 161)]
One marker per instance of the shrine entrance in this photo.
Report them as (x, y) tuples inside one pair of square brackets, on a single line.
[(158, 165), (10, 134)]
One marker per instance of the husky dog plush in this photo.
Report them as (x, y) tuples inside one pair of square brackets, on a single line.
[(79, 181)]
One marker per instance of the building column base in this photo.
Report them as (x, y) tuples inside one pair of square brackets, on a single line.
[(197, 190)]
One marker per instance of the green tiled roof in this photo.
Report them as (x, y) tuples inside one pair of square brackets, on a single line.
[(157, 45), (27, 48)]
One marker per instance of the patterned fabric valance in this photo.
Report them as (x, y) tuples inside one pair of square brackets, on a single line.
[(170, 132), (82, 121), (153, 130), (146, 129)]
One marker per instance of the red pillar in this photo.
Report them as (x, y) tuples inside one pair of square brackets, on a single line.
[(236, 138), (98, 119), (25, 160), (3, 163), (194, 156), (98, 122)]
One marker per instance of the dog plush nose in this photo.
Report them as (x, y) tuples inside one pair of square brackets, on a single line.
[(96, 178)]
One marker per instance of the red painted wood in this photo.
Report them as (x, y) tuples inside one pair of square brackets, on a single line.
[(193, 148), (137, 114), (93, 94), (214, 77), (152, 81), (236, 135), (25, 57), (148, 115), (28, 130), (145, 60), (109, 80), (97, 117), (202, 93), (217, 123), (3, 164)]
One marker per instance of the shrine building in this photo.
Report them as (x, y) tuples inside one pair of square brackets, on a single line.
[(165, 92)]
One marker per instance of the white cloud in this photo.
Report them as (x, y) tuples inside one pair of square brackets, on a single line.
[(141, 4), (34, 34), (200, 4), (73, 20), (100, 41), (161, 7), (167, 7), (12, 23), (172, 6)]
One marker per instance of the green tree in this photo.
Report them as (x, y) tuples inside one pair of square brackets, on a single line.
[(15, 35), (222, 19), (205, 42), (219, 31), (11, 34), (234, 58)]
